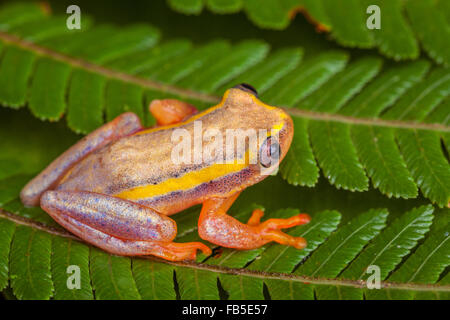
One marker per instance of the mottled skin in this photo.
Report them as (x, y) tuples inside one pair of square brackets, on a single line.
[(117, 186)]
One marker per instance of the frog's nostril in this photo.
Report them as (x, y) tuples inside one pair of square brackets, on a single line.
[(246, 87)]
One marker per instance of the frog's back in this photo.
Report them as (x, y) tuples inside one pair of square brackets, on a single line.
[(141, 167), (129, 162), (145, 159)]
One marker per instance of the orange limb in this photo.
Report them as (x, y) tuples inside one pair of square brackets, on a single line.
[(171, 111), (216, 226)]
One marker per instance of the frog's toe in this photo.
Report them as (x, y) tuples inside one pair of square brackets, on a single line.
[(274, 224), (285, 239), (185, 251), (270, 229)]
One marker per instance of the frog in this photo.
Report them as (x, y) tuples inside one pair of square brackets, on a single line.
[(117, 187)]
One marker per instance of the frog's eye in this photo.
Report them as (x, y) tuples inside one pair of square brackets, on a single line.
[(246, 87), (270, 151)]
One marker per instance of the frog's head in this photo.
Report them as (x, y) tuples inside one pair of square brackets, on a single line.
[(245, 108)]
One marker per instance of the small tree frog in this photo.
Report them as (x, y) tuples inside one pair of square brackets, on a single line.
[(117, 187)]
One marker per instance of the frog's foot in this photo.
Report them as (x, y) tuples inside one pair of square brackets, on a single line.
[(269, 229), (118, 226), (218, 227), (170, 111)]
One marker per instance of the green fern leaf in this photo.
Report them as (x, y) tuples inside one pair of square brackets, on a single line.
[(377, 146), (343, 86), (112, 277), (305, 79), (344, 245), (142, 62), (352, 31), (182, 66), (30, 264), (15, 71), (68, 253), (197, 284), (6, 235), (19, 13), (55, 76), (426, 162), (440, 114), (422, 98), (85, 105), (188, 7), (224, 6), (231, 64), (387, 249), (265, 74), (337, 155), (425, 266), (153, 280), (270, 14), (397, 36), (300, 170), (386, 89), (431, 27)]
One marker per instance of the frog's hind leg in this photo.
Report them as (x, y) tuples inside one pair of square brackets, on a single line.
[(216, 226), (124, 125), (171, 111), (118, 226)]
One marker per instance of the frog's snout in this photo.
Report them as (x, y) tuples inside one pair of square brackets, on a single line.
[(247, 88)]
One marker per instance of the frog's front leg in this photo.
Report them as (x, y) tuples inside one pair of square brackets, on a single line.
[(216, 226), (124, 125), (170, 111), (118, 226)]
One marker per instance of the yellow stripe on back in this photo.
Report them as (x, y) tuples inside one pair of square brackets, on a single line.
[(188, 181)]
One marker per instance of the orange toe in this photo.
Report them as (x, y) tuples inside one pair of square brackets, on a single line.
[(285, 239), (302, 218), (183, 251), (255, 219), (297, 220)]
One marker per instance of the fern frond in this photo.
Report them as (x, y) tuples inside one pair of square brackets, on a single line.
[(403, 23), (424, 266), (68, 253), (111, 276), (29, 266), (124, 278), (154, 280), (354, 120), (6, 234), (386, 251)]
